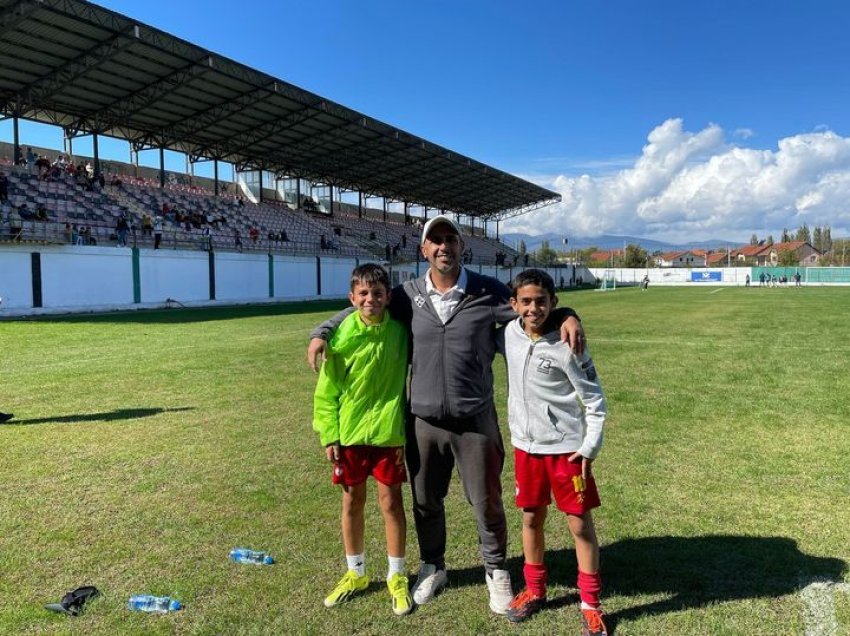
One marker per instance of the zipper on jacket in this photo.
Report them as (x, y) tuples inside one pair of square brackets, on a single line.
[(524, 385)]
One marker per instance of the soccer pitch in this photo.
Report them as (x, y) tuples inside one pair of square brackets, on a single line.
[(147, 445)]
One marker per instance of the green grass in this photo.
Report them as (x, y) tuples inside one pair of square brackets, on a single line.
[(147, 445)]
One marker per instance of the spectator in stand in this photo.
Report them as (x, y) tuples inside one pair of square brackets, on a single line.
[(19, 157), (403, 241), (388, 253), (284, 237), (237, 240), (31, 157), (41, 213), (253, 234), (207, 238), (122, 228), (157, 232), (25, 213), (80, 175), (4, 187), (323, 242), (147, 224), (69, 234), (42, 164)]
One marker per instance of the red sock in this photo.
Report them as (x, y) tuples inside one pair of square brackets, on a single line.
[(535, 578), (589, 586)]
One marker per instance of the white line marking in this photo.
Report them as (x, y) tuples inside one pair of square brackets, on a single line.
[(819, 607), (715, 291)]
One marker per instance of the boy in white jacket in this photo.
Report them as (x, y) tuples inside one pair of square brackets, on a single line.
[(556, 411)]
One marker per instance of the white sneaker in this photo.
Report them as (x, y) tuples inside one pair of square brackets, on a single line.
[(429, 582), (501, 594)]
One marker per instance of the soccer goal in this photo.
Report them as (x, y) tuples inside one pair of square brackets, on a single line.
[(609, 281)]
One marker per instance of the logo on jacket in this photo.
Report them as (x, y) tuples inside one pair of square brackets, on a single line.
[(419, 300), (544, 366)]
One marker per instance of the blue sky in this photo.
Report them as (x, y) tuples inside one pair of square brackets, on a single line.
[(663, 119)]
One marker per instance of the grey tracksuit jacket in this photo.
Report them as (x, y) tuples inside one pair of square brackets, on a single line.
[(451, 375), (547, 386)]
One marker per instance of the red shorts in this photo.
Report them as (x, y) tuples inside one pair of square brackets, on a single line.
[(356, 463), (539, 475)]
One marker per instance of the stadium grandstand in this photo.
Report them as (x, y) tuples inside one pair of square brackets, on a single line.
[(305, 167)]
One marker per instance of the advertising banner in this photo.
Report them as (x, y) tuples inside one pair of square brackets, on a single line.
[(706, 277)]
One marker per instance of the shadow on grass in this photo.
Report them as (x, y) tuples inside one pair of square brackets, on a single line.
[(109, 416), (693, 572), (197, 314)]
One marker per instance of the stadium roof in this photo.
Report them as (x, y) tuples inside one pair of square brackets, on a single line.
[(88, 69)]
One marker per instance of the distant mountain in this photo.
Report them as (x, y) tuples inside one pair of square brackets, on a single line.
[(608, 242)]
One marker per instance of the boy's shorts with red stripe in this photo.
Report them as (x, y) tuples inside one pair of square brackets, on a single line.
[(539, 475), (356, 463)]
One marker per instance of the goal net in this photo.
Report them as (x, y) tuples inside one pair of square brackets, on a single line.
[(609, 281)]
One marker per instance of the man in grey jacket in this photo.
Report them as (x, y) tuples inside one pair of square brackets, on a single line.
[(452, 314)]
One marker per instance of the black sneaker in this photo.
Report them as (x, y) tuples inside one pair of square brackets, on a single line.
[(524, 605), (5, 417)]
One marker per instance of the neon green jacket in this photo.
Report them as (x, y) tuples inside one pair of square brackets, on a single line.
[(360, 395)]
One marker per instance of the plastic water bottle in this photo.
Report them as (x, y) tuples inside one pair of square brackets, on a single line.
[(156, 604), (254, 557)]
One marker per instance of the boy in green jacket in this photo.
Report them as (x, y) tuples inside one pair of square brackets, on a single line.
[(358, 411)]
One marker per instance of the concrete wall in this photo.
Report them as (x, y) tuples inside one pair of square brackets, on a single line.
[(72, 278), (97, 278)]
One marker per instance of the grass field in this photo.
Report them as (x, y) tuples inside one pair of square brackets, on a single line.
[(147, 445)]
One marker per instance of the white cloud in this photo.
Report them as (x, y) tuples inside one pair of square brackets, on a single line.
[(744, 133), (696, 185)]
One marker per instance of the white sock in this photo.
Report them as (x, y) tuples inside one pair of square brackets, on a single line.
[(356, 562), (396, 566)]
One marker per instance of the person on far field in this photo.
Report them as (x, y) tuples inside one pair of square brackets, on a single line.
[(358, 411), (556, 412), (452, 315)]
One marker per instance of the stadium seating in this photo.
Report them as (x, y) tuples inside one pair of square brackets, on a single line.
[(346, 233)]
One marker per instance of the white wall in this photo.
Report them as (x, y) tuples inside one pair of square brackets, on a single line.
[(74, 276), (15, 277), (336, 276), (181, 275), (294, 277), (675, 275), (241, 276)]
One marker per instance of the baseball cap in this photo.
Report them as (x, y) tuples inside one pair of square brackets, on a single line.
[(438, 220)]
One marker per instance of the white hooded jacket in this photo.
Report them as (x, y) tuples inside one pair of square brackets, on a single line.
[(555, 401)]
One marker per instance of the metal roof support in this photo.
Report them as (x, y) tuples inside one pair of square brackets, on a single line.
[(161, 166), (16, 140), (359, 205), (384, 199), (260, 184), (497, 230), (298, 192), (406, 213), (331, 197), (67, 143), (96, 152), (215, 176)]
